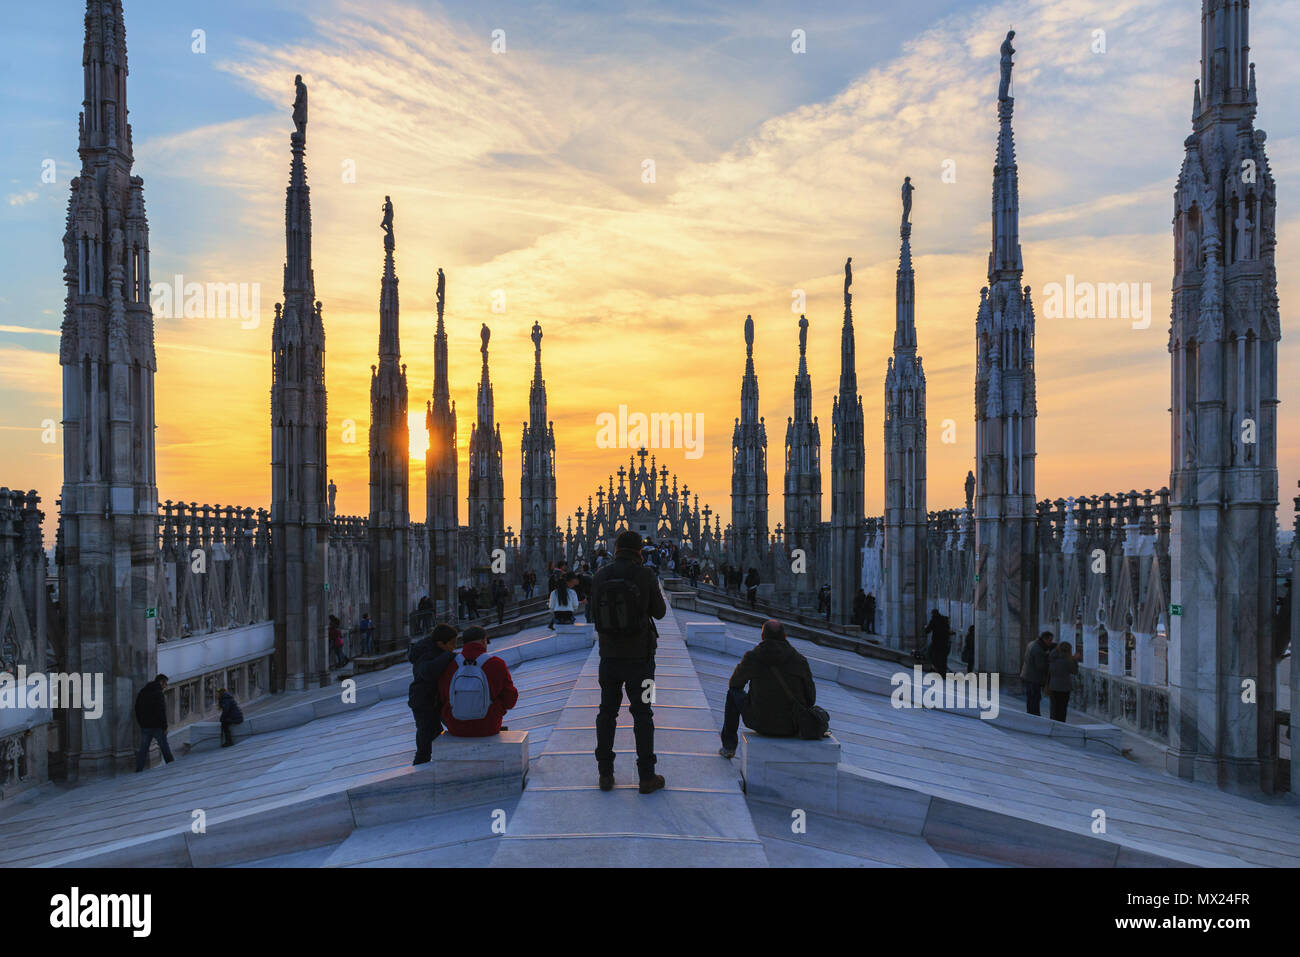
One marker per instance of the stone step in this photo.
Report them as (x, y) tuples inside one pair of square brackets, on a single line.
[(701, 819)]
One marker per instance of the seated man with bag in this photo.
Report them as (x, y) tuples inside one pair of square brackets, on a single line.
[(781, 701), (475, 690)]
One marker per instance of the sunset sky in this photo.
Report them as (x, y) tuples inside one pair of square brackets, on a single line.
[(521, 171)]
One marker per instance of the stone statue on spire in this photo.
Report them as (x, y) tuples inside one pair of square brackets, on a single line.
[(1004, 89), (848, 277), (300, 107), (485, 334), (803, 335), (749, 335), (907, 199), (537, 336), (442, 291), (387, 224)]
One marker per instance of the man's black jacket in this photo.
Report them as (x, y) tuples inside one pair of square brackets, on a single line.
[(627, 565)]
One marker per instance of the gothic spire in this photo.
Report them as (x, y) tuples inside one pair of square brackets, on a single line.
[(848, 359), (104, 116), (390, 349), (1004, 257), (1225, 57), (441, 387), (905, 287), (749, 384), (537, 394)]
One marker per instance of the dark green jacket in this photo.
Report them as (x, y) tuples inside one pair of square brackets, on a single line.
[(769, 709)]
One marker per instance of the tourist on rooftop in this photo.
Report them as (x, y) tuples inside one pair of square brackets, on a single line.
[(940, 632), (778, 676), (500, 592), (968, 651), (860, 610), (625, 599), (429, 657), (751, 583), (151, 713), (1036, 673), (336, 642), (230, 715), (367, 634), (1061, 666), (869, 615), (474, 703), (564, 601)]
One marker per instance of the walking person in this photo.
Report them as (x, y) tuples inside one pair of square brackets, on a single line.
[(1035, 672), (940, 632), (500, 592), (870, 620), (367, 634), (230, 715), (151, 713), (1061, 667), (626, 600), (751, 583), (429, 657)]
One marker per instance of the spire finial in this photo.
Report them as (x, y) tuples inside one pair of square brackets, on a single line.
[(442, 292), (749, 335), (387, 224), (907, 201), (803, 336), (300, 107), (1004, 88)]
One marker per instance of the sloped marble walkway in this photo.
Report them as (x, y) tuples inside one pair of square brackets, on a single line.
[(700, 819)]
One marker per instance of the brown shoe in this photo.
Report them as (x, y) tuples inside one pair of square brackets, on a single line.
[(607, 782), (652, 784)]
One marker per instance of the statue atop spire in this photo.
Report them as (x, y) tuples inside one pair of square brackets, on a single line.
[(803, 336), (907, 200), (848, 278), (1004, 88), (537, 337), (749, 335), (387, 224), (442, 292), (485, 334), (300, 107)]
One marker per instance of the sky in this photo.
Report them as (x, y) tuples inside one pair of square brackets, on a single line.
[(522, 172)]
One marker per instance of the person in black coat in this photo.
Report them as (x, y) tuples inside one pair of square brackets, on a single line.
[(860, 610), (230, 714), (751, 583), (940, 632), (968, 652), (627, 656), (429, 657), (151, 713), (869, 618)]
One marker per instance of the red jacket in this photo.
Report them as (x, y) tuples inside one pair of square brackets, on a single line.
[(504, 695)]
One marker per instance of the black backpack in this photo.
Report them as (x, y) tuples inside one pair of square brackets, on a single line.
[(813, 723), (618, 613)]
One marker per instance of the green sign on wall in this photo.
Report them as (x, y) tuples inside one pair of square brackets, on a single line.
[(1175, 609)]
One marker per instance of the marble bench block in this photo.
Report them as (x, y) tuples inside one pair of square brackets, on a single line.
[(206, 735), (581, 632), (1072, 734), (991, 835), (170, 850), (1011, 720), (294, 825), (468, 771), (739, 647), (334, 704), (791, 771), (868, 800), (395, 686), (711, 635), (280, 718), (864, 681), (823, 669)]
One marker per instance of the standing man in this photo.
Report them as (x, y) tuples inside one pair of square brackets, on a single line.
[(429, 657), (367, 634), (625, 598), (1036, 671), (151, 712), (870, 618)]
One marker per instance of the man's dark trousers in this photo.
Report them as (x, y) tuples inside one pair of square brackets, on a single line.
[(632, 674), (428, 725), (1033, 697), (737, 707), (148, 735)]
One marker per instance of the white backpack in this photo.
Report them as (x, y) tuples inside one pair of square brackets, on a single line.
[(469, 693)]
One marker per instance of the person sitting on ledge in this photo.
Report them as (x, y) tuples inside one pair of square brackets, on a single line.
[(230, 715), (429, 657), (766, 707), (476, 691)]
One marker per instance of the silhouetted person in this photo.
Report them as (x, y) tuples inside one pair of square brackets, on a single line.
[(968, 651), (940, 632), (230, 715), (766, 707), (869, 619), (860, 610), (429, 657), (625, 600), (1036, 673), (151, 713), (1061, 667)]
